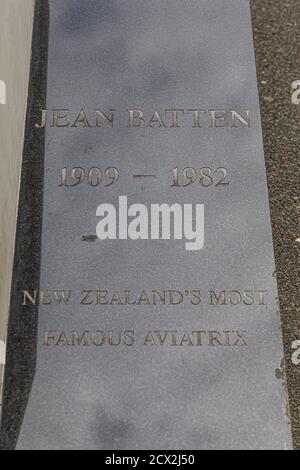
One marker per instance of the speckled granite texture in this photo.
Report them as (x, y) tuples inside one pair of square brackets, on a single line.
[(157, 398), (276, 31), (277, 44)]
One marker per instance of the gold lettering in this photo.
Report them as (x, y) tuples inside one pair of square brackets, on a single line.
[(262, 297), (157, 119), (86, 294), (28, 297), (200, 334), (127, 298), (136, 118), (214, 338), (102, 297), (237, 118), (186, 340), (240, 338), (57, 117), (49, 336), (129, 338), (197, 117), (111, 341), (218, 119), (161, 339), (94, 338), (62, 340), (100, 116), (81, 120), (80, 340), (150, 339), (143, 300), (63, 296), (46, 297), (174, 113), (43, 121), (216, 299), (116, 299), (234, 297)]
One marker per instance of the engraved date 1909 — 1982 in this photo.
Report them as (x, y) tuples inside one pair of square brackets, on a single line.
[(205, 177)]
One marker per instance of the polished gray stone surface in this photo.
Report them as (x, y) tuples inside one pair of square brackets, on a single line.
[(155, 55)]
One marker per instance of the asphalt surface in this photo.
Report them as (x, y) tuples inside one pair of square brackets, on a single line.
[(276, 27)]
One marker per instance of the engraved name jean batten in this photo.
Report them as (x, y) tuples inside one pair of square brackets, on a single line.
[(175, 118)]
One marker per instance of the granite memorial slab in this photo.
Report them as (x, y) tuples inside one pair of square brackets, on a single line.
[(151, 321)]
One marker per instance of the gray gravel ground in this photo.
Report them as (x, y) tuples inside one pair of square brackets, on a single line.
[(276, 26)]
